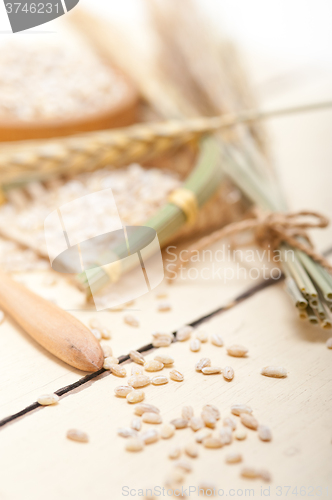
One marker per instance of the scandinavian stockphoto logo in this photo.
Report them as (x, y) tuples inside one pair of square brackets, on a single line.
[(87, 236), (28, 14)]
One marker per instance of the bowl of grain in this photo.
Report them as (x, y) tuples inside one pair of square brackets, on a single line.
[(57, 89)]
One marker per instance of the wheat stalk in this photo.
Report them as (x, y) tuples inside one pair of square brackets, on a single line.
[(39, 160)]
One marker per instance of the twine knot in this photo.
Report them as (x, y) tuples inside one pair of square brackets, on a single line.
[(275, 228), (271, 229)]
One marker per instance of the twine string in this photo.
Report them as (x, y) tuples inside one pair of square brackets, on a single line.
[(270, 230)]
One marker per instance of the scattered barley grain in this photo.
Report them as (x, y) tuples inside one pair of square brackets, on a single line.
[(228, 373), (131, 320), (152, 418), (159, 380), (179, 423), (135, 397), (176, 375), (249, 421), (239, 409), (274, 371), (145, 407), (153, 366), (137, 357), (195, 345), (167, 431), (238, 351), (135, 444), (233, 458), (122, 391), (48, 399), (211, 370), (264, 433), (217, 340), (77, 435), (138, 381), (184, 333), (202, 363)]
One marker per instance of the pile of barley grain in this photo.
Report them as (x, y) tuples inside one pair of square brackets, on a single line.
[(61, 81)]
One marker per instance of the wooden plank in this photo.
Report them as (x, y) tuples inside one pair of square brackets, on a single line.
[(298, 410), (29, 370)]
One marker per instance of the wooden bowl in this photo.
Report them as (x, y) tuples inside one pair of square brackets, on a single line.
[(121, 113)]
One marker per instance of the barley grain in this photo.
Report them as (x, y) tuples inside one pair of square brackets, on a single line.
[(162, 341), (159, 380), (122, 390), (126, 432), (164, 307), (77, 435), (184, 465), (265, 475), (202, 363), (239, 409), (196, 423), (191, 450), (153, 366), (202, 336), (274, 371), (109, 362), (107, 350), (212, 409), (137, 357), (161, 295), (228, 373), (202, 434), (152, 418), (167, 431), (96, 333), (174, 478), (187, 412), (135, 397), (136, 371), (212, 442), (217, 340), (264, 433), (138, 381), (105, 333), (158, 335), (249, 421), (209, 419), (179, 423), (48, 399), (238, 351), (240, 434), (229, 422), (233, 458), (250, 473), (135, 444), (145, 407), (136, 424), (176, 375), (328, 342), (211, 370), (131, 320), (208, 489), (119, 371), (95, 323), (195, 345), (226, 435), (184, 333), (150, 436), (165, 359), (174, 453)]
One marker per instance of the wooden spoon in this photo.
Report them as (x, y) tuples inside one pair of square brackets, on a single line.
[(55, 329)]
